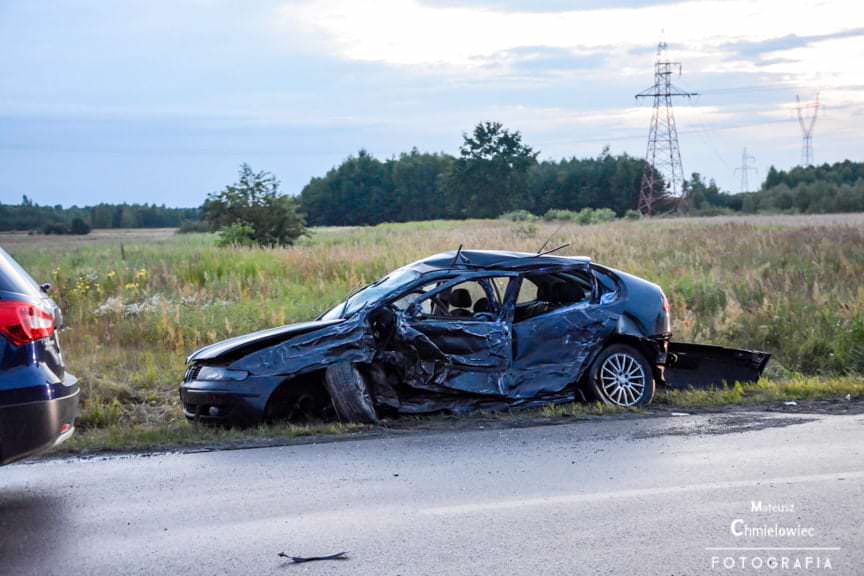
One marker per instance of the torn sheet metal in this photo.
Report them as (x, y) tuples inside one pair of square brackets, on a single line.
[(705, 366)]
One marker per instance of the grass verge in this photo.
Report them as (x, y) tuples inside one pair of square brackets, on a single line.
[(183, 435), (797, 388)]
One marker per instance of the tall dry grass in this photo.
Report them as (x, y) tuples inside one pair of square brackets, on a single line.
[(135, 314)]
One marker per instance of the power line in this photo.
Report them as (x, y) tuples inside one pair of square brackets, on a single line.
[(807, 122), (663, 177), (745, 168)]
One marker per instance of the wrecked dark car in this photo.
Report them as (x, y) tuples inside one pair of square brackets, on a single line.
[(456, 332)]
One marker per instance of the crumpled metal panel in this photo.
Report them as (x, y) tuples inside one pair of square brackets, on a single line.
[(553, 351), (348, 341)]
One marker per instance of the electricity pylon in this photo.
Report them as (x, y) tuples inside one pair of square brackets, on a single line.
[(807, 123), (663, 177), (745, 168)]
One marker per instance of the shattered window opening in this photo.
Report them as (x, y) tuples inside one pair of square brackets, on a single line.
[(543, 293), (372, 293), (468, 300)]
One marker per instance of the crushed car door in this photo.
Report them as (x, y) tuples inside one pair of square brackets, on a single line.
[(458, 333), (557, 324)]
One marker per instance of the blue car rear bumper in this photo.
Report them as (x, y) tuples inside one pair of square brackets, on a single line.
[(36, 418)]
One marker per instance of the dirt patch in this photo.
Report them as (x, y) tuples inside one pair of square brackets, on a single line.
[(725, 424)]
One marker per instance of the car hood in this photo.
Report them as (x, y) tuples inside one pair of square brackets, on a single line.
[(238, 346)]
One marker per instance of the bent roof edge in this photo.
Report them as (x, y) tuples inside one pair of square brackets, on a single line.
[(495, 259)]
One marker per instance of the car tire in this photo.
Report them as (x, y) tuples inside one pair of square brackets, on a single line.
[(349, 393), (621, 376)]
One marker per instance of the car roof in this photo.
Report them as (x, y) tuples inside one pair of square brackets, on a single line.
[(495, 260)]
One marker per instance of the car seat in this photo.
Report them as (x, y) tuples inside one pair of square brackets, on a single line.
[(460, 303)]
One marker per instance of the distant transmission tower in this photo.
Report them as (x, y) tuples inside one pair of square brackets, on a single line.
[(745, 168), (663, 157), (807, 114)]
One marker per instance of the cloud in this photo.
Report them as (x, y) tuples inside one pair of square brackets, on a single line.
[(458, 35), (163, 98), (760, 48), (544, 5), (540, 60)]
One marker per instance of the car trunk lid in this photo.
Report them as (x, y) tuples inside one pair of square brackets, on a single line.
[(707, 366)]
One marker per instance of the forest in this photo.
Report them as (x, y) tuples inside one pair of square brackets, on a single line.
[(494, 173)]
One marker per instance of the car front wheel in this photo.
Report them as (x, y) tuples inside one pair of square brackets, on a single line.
[(621, 376), (348, 391)]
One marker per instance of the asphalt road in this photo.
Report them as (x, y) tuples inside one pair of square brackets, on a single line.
[(623, 496)]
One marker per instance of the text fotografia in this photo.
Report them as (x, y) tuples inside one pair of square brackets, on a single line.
[(771, 561), (773, 545)]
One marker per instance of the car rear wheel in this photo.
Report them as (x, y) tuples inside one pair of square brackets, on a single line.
[(621, 376), (350, 395)]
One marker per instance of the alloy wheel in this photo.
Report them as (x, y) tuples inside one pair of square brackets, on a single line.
[(622, 379)]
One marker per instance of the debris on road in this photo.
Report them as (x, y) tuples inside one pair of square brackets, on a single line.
[(302, 559), (790, 403)]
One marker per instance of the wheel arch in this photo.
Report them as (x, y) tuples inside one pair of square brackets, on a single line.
[(645, 346), (293, 388)]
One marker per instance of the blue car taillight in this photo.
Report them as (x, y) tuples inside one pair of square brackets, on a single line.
[(23, 322)]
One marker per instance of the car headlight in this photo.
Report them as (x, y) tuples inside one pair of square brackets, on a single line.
[(218, 373)]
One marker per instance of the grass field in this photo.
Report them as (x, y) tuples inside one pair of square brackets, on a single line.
[(138, 302)]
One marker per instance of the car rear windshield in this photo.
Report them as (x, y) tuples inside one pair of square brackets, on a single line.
[(13, 278)]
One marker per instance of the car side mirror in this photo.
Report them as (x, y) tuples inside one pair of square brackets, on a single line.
[(46, 287)]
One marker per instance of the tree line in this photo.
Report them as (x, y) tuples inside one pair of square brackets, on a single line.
[(79, 220), (822, 189), (494, 173)]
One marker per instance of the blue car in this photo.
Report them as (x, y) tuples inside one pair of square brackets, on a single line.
[(38, 397), (456, 332)]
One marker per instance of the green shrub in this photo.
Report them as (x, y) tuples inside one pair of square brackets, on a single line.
[(518, 216), (585, 216), (273, 219), (603, 215), (79, 227), (194, 227), (555, 214), (237, 234), (55, 228), (632, 215)]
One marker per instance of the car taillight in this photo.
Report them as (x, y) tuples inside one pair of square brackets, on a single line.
[(23, 322)]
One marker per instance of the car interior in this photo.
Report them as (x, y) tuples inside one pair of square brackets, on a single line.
[(538, 294), (544, 293)]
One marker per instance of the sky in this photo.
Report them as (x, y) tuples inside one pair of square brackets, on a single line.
[(162, 100)]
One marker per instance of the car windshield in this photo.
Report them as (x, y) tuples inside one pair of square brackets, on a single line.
[(372, 293)]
